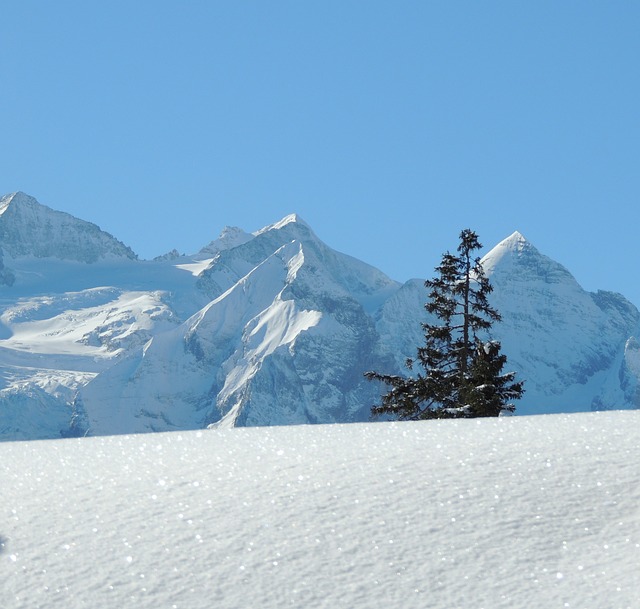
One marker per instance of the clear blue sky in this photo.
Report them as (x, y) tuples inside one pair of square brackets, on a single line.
[(388, 126)]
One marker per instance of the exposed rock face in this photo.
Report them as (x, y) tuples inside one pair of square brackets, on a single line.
[(6, 275)]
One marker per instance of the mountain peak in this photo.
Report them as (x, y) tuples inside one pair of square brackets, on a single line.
[(514, 246), (519, 259), (28, 228), (290, 219), (516, 241), (516, 236), (16, 198), (230, 237)]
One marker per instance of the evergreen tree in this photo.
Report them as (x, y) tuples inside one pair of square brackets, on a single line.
[(461, 377), (490, 391)]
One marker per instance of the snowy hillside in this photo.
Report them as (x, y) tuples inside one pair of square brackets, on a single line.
[(510, 513), (265, 328)]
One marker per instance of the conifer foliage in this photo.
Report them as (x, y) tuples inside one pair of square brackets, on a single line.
[(461, 370)]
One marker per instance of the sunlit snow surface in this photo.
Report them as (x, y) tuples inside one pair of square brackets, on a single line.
[(529, 512)]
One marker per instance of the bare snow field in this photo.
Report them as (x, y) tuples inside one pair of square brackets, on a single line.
[(524, 512)]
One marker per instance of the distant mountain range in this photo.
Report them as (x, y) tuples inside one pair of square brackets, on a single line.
[(266, 328)]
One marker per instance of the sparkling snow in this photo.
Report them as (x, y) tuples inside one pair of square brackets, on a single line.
[(528, 512)]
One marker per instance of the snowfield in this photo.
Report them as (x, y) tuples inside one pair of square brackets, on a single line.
[(519, 512)]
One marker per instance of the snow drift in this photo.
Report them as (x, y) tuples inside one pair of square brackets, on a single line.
[(508, 513)]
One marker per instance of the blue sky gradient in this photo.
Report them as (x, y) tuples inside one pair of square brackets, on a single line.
[(388, 126)]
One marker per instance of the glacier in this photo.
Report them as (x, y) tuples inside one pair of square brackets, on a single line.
[(272, 327)]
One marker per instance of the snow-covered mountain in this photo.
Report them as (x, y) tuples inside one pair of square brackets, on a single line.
[(577, 348), (28, 228), (265, 328)]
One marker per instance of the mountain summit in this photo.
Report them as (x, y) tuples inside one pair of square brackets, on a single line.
[(264, 328), (559, 333), (517, 255), (28, 228)]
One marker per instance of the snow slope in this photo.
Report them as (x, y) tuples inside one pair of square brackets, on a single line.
[(510, 513)]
